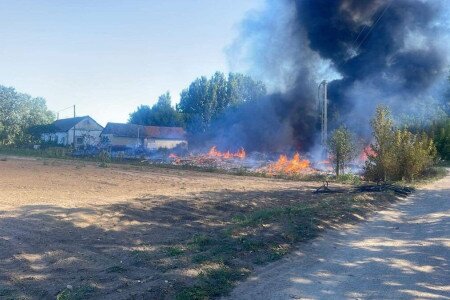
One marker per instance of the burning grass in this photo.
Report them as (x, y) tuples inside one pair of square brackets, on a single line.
[(287, 166)]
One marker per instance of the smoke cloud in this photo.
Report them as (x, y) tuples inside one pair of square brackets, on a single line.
[(371, 51)]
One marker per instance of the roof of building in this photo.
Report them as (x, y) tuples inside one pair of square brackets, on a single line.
[(63, 125), (133, 131)]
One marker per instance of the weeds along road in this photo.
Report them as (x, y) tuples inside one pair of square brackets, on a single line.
[(400, 253)]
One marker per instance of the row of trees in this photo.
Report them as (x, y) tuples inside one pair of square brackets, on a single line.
[(18, 112), (204, 101), (160, 114), (395, 154)]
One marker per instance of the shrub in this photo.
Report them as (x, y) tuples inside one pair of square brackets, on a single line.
[(397, 154), (104, 157)]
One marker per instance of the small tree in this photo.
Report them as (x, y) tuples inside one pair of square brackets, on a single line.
[(397, 154), (342, 149), (383, 158)]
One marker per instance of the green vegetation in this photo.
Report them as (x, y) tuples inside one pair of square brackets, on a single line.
[(439, 131), (207, 99), (397, 154), (104, 157), (18, 112), (204, 101), (44, 152), (265, 235), (116, 269), (341, 148), (213, 283), (160, 114), (174, 251), (79, 293)]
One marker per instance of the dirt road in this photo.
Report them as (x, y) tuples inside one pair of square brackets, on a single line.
[(401, 253)]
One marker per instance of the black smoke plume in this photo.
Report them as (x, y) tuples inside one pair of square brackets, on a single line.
[(375, 51)]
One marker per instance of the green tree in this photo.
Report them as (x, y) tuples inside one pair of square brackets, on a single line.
[(141, 116), (18, 112), (397, 154), (160, 114), (205, 100), (242, 88), (383, 146), (439, 131), (218, 93), (197, 105), (342, 149)]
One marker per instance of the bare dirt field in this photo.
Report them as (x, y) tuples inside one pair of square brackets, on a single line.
[(79, 231)]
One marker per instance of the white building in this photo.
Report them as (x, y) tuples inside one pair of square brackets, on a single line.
[(78, 131), (150, 137)]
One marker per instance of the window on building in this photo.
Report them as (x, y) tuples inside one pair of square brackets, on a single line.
[(80, 140)]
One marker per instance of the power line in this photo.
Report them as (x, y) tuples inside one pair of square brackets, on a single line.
[(373, 26), (366, 35)]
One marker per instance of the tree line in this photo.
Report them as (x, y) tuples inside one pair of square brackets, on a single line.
[(204, 101)]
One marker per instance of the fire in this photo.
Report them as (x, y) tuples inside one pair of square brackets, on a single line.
[(213, 152), (175, 158), (284, 165), (366, 152)]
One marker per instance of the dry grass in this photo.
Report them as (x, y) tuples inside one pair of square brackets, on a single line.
[(122, 232)]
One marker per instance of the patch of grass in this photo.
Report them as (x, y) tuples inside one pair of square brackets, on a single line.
[(349, 178), (266, 235), (6, 292), (140, 256), (214, 283), (174, 251), (80, 293), (116, 269), (200, 242), (102, 165)]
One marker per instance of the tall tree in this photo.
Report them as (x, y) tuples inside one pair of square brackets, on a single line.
[(342, 149), (141, 116), (160, 114), (206, 100), (18, 112), (218, 93), (242, 88), (197, 105)]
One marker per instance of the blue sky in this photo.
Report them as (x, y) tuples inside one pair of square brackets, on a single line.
[(107, 57)]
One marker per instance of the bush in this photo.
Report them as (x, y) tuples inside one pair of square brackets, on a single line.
[(104, 157), (397, 154), (440, 132)]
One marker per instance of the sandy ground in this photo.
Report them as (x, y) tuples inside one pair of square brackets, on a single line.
[(70, 223), (401, 253)]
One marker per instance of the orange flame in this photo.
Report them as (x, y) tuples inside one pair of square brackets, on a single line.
[(175, 158), (213, 152), (367, 151), (286, 166)]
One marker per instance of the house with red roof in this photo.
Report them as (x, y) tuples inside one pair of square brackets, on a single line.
[(149, 137)]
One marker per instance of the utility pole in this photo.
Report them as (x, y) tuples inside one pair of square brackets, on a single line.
[(322, 102), (74, 135)]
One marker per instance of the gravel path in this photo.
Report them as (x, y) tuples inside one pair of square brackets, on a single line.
[(400, 253)]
